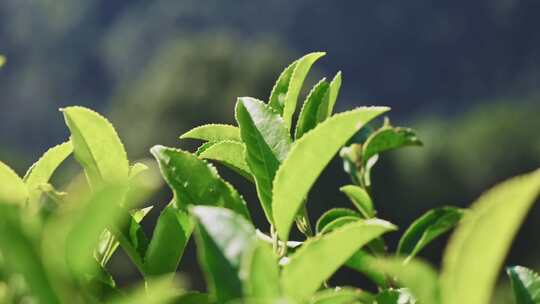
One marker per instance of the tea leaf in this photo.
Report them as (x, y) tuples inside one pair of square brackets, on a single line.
[(21, 256), (339, 222), (260, 273), (468, 277), (331, 215), (279, 91), (308, 117), (155, 291), (327, 106), (388, 138), (342, 296), (213, 132), (300, 279), (417, 276), (172, 232), (267, 144), (222, 239), (366, 264), (426, 228), (301, 70), (195, 182), (525, 284), (42, 170), (230, 153), (12, 188), (96, 146), (307, 159), (360, 199), (395, 296)]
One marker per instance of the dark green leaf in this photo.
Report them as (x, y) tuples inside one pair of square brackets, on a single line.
[(195, 182), (395, 296), (308, 117), (426, 228), (267, 144), (222, 239), (525, 284)]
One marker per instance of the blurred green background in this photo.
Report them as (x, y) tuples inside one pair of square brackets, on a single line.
[(464, 74)]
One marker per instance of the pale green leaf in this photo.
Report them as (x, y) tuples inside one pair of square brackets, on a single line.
[(426, 228), (155, 291), (327, 106), (525, 284), (222, 239), (329, 252), (366, 264), (42, 170), (308, 117), (488, 228), (301, 70), (12, 188), (213, 132), (230, 153), (307, 159), (360, 199), (339, 222), (267, 143), (195, 182), (260, 273), (279, 91), (340, 295), (96, 146)]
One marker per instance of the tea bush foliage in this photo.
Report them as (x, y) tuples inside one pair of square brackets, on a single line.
[(56, 242)]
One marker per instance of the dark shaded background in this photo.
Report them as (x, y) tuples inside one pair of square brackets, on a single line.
[(465, 74)]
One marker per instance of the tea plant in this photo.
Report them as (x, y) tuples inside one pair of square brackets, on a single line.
[(55, 245)]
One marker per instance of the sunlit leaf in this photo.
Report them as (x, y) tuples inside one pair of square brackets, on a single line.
[(488, 228), (213, 133), (342, 296), (12, 188), (230, 153), (195, 182), (389, 138), (525, 284), (329, 252), (308, 117), (42, 170), (333, 214), (327, 106), (360, 199), (96, 146), (426, 228), (260, 273), (267, 144), (279, 91), (308, 158), (222, 239)]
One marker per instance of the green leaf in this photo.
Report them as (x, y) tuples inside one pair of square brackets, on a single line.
[(172, 232), (307, 159), (342, 296), (339, 222), (300, 278), (308, 117), (360, 199), (42, 170), (388, 138), (525, 284), (295, 85), (366, 264), (195, 182), (222, 239), (279, 91), (426, 228), (92, 217), (230, 153), (155, 291), (213, 132), (333, 214), (260, 273), (12, 188), (327, 106), (203, 147), (2, 61), (267, 144), (96, 146), (194, 298), (21, 256), (395, 296), (489, 228), (417, 276)]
